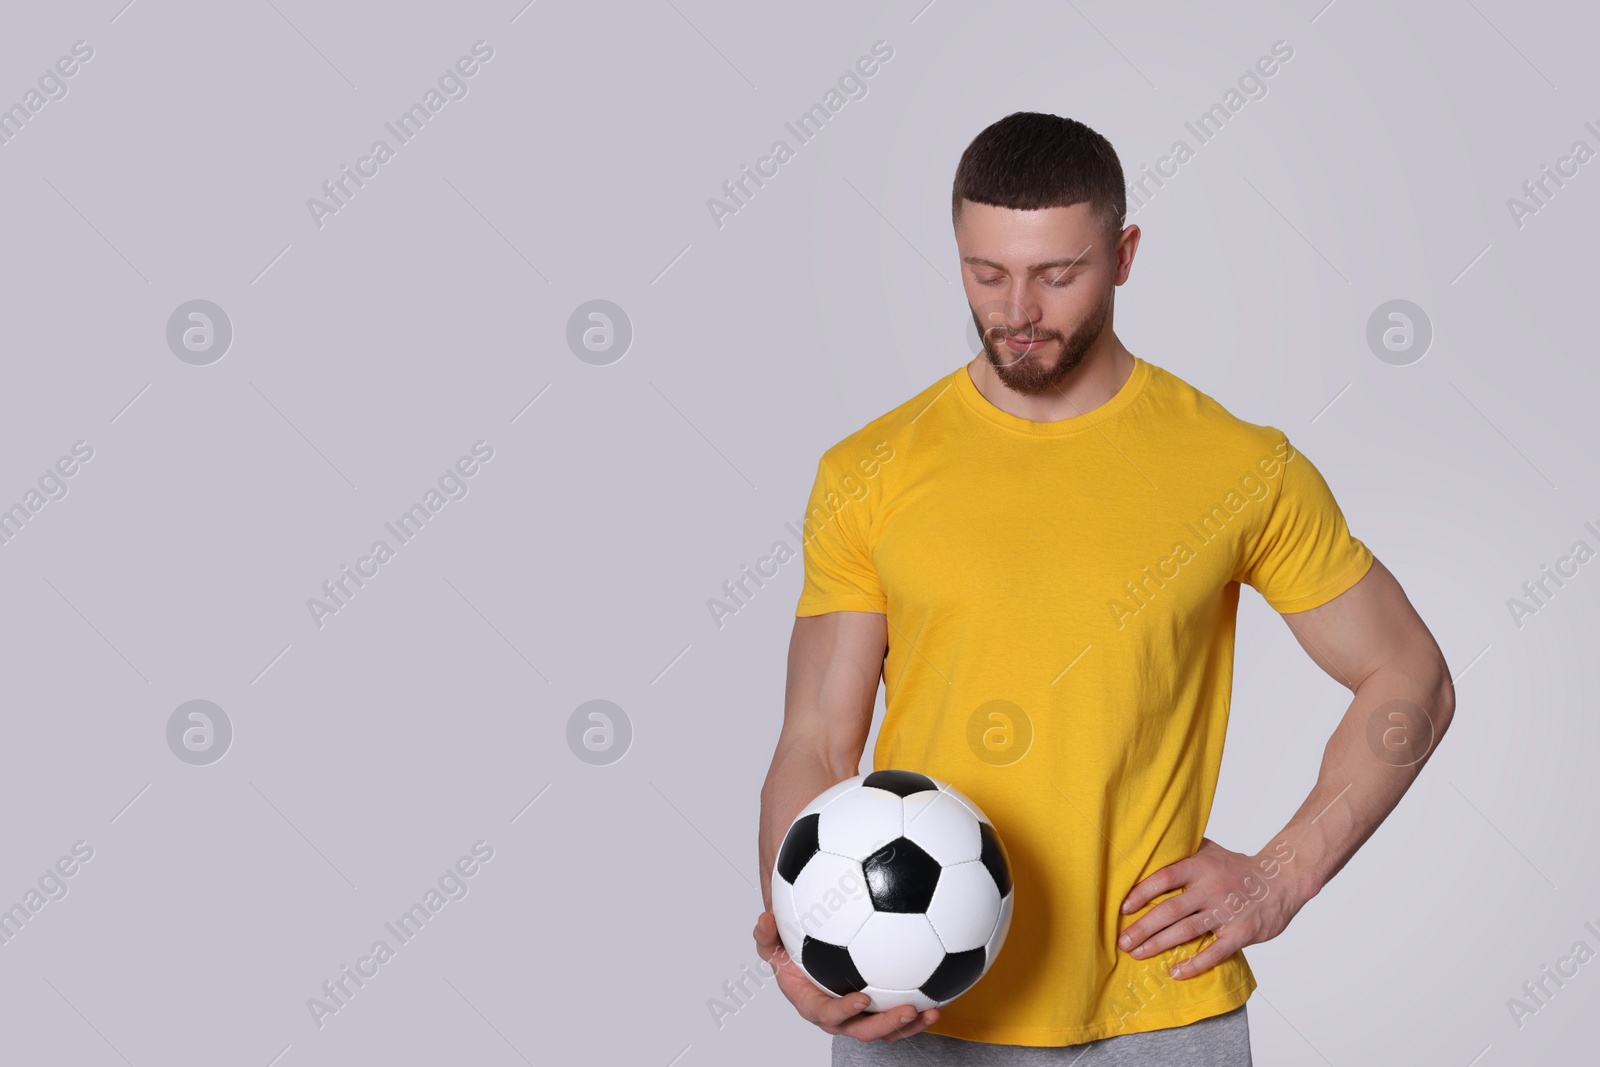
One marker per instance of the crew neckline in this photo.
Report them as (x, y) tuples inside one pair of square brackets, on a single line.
[(1130, 391)]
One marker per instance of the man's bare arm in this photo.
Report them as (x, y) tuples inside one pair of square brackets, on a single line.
[(1371, 640), (835, 663)]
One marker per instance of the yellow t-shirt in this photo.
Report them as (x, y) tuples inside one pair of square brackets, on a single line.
[(1061, 599)]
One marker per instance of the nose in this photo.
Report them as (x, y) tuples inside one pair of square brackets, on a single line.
[(1007, 317)]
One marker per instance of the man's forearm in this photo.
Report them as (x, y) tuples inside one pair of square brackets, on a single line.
[(795, 778), (1394, 722)]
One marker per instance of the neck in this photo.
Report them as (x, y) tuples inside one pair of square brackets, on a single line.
[(1101, 375)]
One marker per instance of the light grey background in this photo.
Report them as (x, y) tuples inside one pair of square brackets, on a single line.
[(427, 314)]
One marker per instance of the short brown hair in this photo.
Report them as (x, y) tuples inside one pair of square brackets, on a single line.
[(1028, 161)]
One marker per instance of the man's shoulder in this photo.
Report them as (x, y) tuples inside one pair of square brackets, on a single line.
[(881, 437), (1195, 415)]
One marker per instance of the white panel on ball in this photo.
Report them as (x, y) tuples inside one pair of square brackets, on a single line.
[(1000, 929), (943, 827), (965, 907), (896, 951), (977, 812), (884, 999), (831, 900), (860, 822), (828, 795)]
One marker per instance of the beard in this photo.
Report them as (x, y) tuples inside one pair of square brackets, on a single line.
[(1033, 372)]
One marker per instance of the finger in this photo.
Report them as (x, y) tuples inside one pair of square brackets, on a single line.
[(883, 1024), (1169, 877), (1160, 917), (836, 1011), (1176, 934), (813, 1002), (766, 935), (917, 1025), (1205, 959)]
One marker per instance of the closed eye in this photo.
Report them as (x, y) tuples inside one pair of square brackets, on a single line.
[(1058, 283)]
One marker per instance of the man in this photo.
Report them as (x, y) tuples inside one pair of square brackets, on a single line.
[(1040, 555)]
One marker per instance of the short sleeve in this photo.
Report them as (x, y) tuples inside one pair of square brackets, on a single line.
[(839, 575), (1303, 554)]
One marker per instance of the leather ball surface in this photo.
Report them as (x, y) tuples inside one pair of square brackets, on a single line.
[(894, 884)]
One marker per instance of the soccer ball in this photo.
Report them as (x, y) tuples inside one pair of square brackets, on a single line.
[(893, 884)]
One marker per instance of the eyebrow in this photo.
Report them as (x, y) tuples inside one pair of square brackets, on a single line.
[(1076, 261)]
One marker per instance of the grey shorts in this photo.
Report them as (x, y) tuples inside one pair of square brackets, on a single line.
[(1219, 1041)]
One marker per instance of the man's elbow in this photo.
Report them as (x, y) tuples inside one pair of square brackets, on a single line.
[(1442, 705), (1418, 679)]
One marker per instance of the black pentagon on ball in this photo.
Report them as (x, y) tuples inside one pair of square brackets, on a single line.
[(900, 783), (994, 857), (799, 845), (901, 877), (831, 966), (954, 975)]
